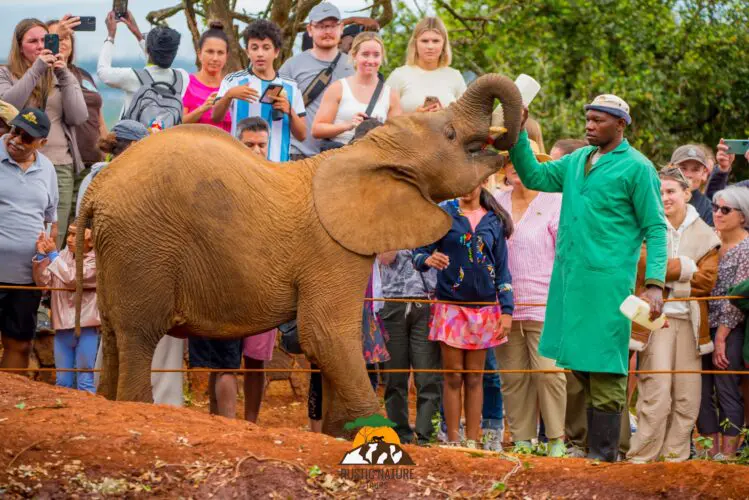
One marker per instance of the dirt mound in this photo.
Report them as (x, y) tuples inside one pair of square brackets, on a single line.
[(58, 443)]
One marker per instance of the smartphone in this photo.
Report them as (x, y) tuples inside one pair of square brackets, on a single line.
[(430, 99), (88, 23), (52, 42), (120, 8), (271, 91), (737, 146)]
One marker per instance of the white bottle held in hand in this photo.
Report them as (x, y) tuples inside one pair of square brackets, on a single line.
[(638, 311)]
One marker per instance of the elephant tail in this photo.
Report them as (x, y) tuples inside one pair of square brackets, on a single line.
[(82, 221)]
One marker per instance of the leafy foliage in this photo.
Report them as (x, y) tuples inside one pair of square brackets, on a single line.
[(375, 420), (680, 64)]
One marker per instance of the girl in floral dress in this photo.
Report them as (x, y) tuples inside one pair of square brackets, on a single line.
[(473, 267)]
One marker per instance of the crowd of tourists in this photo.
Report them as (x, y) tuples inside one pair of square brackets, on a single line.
[(579, 229)]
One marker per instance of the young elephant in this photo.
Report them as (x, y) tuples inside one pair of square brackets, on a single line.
[(196, 237)]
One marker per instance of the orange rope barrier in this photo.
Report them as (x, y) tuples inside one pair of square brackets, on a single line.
[(392, 370), (418, 301)]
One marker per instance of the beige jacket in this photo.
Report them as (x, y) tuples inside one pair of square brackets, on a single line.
[(691, 272)]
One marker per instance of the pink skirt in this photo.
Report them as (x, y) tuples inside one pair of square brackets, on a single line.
[(260, 346), (466, 327)]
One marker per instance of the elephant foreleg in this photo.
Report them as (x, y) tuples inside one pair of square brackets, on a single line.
[(330, 334)]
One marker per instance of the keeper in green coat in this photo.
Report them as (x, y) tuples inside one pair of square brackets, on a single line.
[(611, 204)]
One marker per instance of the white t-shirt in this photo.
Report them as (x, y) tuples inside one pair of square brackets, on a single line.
[(414, 84), (126, 80)]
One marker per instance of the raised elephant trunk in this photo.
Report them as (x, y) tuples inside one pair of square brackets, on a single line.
[(473, 111)]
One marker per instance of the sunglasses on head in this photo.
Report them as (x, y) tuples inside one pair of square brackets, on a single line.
[(26, 138), (724, 209)]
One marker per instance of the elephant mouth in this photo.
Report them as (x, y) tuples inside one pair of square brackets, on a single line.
[(478, 148)]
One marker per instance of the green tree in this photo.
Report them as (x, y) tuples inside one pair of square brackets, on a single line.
[(680, 64)]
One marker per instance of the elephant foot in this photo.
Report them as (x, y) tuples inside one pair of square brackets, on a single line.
[(343, 412)]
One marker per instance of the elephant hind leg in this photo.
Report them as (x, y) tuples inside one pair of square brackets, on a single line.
[(109, 362), (136, 350)]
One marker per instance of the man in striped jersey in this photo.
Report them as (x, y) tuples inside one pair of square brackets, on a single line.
[(243, 90)]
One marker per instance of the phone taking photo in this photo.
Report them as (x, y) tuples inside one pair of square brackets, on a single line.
[(737, 146), (52, 43), (271, 92), (120, 8), (88, 23)]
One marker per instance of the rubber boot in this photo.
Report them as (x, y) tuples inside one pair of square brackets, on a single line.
[(603, 435)]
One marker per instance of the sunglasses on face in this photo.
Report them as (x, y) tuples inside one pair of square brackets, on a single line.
[(724, 209), (26, 138)]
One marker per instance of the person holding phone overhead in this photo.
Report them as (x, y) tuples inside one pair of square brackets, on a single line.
[(35, 76), (89, 132), (259, 91), (427, 82), (213, 52), (351, 100)]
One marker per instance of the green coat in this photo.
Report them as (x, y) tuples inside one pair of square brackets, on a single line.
[(605, 217), (743, 304)]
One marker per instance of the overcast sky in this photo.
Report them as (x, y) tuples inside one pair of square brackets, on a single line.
[(89, 44)]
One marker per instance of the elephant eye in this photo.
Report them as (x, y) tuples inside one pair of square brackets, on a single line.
[(450, 132)]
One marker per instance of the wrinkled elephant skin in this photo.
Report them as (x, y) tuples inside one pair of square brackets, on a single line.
[(196, 236)]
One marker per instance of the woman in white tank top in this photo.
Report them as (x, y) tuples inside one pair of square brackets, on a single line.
[(344, 103)]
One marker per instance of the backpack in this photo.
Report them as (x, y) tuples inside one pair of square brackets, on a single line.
[(156, 101)]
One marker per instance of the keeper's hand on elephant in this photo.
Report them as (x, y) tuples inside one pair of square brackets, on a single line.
[(438, 260)]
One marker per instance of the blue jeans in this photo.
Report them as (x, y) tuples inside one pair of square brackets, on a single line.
[(492, 410), (76, 352)]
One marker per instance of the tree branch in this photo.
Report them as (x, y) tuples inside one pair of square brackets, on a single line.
[(457, 16), (157, 17), (192, 24), (245, 18)]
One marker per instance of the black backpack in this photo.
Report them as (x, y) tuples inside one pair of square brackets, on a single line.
[(156, 101)]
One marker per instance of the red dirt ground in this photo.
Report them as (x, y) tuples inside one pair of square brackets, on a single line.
[(58, 443)]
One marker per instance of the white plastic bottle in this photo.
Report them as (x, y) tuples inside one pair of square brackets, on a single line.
[(638, 311)]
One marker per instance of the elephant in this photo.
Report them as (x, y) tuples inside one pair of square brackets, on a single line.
[(195, 236)]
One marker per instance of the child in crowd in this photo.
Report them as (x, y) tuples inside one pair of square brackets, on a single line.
[(473, 267), (57, 269), (242, 91)]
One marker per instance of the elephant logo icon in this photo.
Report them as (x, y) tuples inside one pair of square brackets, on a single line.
[(376, 443)]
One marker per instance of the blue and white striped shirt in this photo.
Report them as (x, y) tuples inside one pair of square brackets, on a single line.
[(280, 130)]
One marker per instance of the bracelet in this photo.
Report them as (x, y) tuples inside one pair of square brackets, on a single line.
[(109, 39)]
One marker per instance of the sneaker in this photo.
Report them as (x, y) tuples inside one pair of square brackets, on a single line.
[(523, 448), (492, 439), (575, 452), (470, 443), (557, 448), (442, 433)]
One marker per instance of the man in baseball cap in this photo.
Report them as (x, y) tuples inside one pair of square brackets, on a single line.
[(28, 188), (323, 11), (611, 104), (612, 202), (692, 162)]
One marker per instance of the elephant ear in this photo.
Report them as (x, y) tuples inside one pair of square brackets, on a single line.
[(375, 208)]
